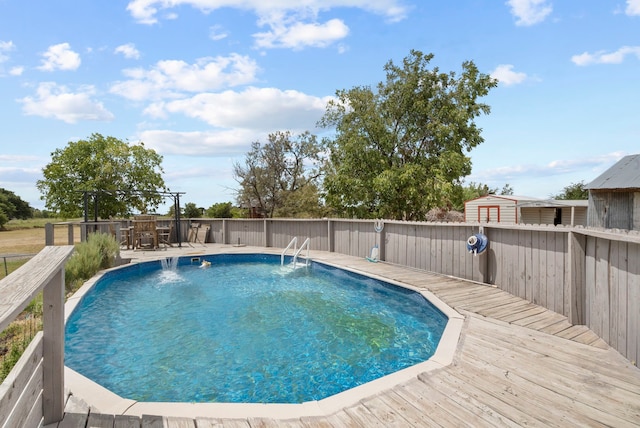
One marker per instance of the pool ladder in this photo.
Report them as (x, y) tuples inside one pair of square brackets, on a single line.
[(296, 251)]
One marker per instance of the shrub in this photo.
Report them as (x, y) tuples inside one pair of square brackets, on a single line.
[(98, 252), (108, 248)]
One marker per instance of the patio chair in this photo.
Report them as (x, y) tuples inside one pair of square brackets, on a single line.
[(145, 234), (124, 236), (164, 235)]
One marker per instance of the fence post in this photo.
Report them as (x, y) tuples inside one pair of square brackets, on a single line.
[(381, 249), (484, 264), (224, 231), (267, 230), (576, 280), (70, 227), (330, 235), (48, 234), (53, 349)]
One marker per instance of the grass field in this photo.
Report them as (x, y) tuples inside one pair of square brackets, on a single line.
[(28, 237), (19, 241)]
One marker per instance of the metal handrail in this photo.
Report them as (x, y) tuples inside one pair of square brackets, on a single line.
[(295, 256), (293, 242)]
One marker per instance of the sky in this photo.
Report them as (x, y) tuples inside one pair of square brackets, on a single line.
[(200, 80)]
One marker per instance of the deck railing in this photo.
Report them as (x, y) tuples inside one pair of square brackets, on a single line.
[(33, 393)]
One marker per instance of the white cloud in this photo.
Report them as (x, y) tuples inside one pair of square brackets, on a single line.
[(211, 143), (217, 33), (128, 50), (553, 168), (57, 102), (145, 11), (171, 78), (602, 57), (300, 35), (291, 23), (4, 48), (16, 71), (505, 74), (259, 109), (529, 12), (633, 8), (60, 57), (18, 158)]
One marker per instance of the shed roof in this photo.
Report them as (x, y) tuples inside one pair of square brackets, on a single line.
[(556, 203), (512, 198), (624, 174)]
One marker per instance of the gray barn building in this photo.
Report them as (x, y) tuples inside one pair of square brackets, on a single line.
[(614, 196)]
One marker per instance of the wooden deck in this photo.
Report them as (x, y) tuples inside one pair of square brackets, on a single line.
[(516, 364)]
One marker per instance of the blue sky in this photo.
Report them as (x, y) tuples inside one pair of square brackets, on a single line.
[(199, 80)]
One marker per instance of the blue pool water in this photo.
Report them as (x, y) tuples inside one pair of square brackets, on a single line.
[(245, 330)]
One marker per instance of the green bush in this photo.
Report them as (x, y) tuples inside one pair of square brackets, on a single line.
[(10, 359), (108, 248), (98, 252)]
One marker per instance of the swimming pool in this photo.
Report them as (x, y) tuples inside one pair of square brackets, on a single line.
[(190, 336)]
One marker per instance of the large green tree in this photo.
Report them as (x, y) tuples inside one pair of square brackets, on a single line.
[(191, 210), (13, 205), (220, 210), (401, 150), (279, 178), (124, 177)]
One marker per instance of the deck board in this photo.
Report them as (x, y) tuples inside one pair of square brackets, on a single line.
[(517, 364)]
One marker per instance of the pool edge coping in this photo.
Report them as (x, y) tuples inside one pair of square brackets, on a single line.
[(105, 401)]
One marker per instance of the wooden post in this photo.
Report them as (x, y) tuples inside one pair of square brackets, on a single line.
[(484, 267), (330, 235), (576, 281), (381, 248), (70, 228), (53, 349), (48, 234), (224, 231)]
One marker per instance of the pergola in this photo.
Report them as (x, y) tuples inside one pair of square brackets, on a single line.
[(175, 196)]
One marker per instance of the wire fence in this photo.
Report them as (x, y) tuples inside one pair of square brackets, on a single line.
[(11, 262), (17, 336)]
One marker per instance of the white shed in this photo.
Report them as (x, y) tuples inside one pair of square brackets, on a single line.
[(554, 211), (494, 208), (524, 209)]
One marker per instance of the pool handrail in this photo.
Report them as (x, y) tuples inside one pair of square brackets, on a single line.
[(295, 256), (293, 242)]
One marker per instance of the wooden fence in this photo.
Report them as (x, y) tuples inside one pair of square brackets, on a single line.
[(592, 276), (33, 393)]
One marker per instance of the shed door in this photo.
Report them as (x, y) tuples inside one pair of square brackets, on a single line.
[(489, 213)]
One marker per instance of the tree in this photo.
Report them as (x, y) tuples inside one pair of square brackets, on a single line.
[(220, 210), (473, 190), (506, 190), (191, 210), (123, 177), (400, 151), (574, 191), (279, 178), (3, 218), (13, 206)]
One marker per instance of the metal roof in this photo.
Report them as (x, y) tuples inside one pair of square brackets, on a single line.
[(556, 203), (625, 174)]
